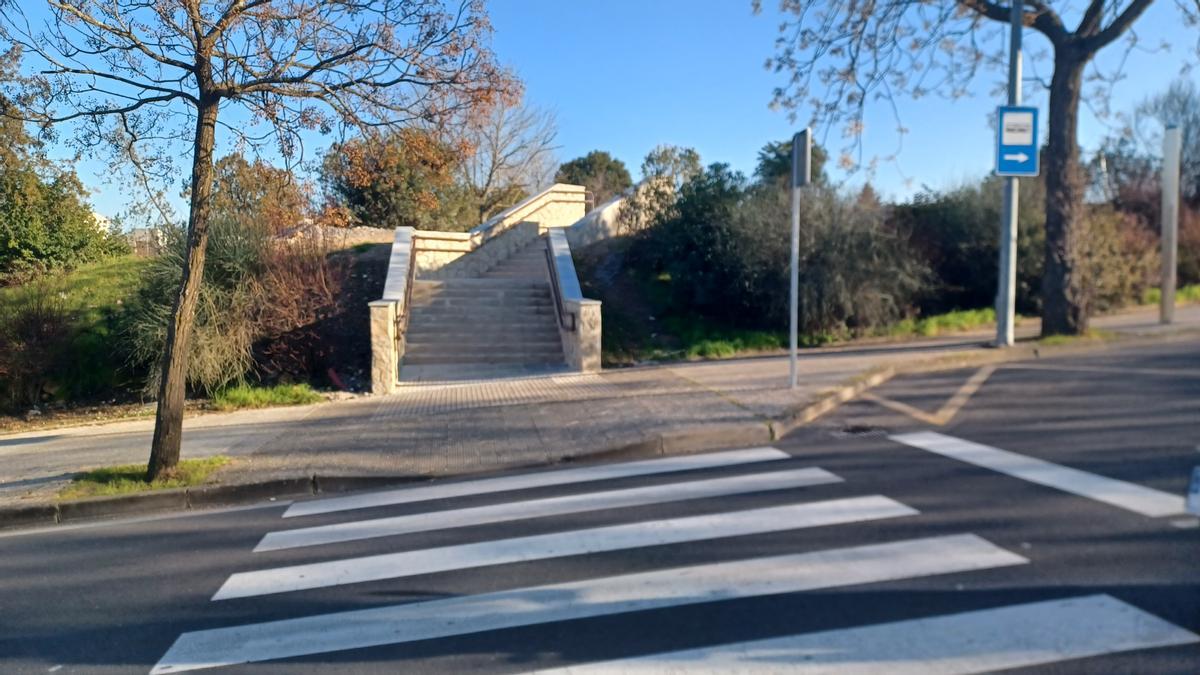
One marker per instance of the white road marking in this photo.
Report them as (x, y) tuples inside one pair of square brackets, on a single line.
[(575, 600), (956, 644), (538, 508), (1128, 496), (648, 467), (560, 544)]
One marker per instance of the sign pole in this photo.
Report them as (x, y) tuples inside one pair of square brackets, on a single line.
[(1006, 294), (1172, 144), (801, 156)]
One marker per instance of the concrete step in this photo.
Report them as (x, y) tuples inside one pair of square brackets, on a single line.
[(472, 304), (419, 359), (521, 330), (451, 349), (482, 318), (422, 284), (515, 295)]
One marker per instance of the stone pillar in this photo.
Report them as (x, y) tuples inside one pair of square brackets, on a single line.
[(384, 356), (581, 347), (587, 332)]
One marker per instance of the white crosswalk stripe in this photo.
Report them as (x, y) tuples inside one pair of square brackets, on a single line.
[(648, 467), (594, 597), (554, 506), (545, 546), (1128, 496), (965, 642), (983, 641)]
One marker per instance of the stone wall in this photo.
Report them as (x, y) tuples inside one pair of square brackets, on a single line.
[(443, 258), (600, 223)]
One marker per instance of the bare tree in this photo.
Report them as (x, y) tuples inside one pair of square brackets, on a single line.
[(840, 55), (512, 153), (171, 72)]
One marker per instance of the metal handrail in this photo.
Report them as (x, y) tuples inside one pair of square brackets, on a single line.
[(554, 288)]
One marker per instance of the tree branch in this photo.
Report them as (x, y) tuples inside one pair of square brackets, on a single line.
[(1117, 27)]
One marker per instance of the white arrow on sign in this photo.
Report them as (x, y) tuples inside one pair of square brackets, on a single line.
[(1019, 157)]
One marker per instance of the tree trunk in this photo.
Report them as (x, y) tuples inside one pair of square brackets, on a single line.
[(168, 423), (1066, 304)]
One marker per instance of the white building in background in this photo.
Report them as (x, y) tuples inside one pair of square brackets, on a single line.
[(146, 241)]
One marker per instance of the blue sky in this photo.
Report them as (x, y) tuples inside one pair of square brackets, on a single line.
[(626, 75)]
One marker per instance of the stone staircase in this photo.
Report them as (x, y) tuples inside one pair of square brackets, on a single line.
[(501, 322)]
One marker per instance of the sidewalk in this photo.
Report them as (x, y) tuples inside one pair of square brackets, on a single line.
[(468, 427)]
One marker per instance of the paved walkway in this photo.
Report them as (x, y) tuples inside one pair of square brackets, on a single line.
[(471, 426)]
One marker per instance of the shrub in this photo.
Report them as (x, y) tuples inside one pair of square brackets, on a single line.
[(957, 233), (1189, 246), (262, 309), (35, 331), (725, 247), (46, 225), (1121, 259), (399, 179)]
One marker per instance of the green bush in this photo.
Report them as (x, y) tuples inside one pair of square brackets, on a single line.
[(46, 225), (957, 233), (725, 248)]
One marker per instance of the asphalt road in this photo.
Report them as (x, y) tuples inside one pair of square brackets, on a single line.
[(879, 540)]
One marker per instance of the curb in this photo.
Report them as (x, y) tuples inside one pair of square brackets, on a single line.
[(185, 499), (697, 439)]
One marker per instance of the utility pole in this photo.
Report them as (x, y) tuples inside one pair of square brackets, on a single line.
[(801, 163), (1172, 147), (1006, 294)]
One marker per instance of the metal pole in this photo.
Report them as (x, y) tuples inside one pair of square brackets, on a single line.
[(801, 154), (1172, 144), (1006, 293)]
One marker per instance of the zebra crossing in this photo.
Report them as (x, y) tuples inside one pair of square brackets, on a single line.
[(1007, 636)]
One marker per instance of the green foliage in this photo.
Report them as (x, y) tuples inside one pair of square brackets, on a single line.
[(603, 175), (45, 221), (46, 224), (246, 396), (1183, 295), (725, 249), (131, 478), (775, 164), (677, 164), (958, 321), (82, 356), (956, 231), (223, 332)]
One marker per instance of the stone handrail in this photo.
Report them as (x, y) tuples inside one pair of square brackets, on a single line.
[(389, 314), (571, 200), (581, 336), (444, 254)]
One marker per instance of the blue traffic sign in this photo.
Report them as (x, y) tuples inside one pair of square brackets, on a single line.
[(1017, 141)]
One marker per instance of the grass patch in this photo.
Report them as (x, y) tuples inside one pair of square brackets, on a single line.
[(131, 478), (951, 322), (246, 396), (1183, 295), (94, 296), (1093, 335)]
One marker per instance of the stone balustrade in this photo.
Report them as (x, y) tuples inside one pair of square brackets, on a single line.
[(581, 346)]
